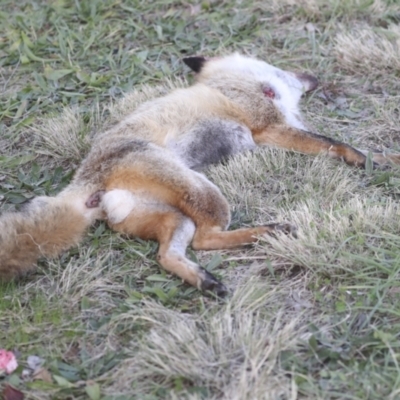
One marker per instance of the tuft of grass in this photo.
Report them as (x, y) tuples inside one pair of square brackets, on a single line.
[(369, 52), (63, 137), (314, 317)]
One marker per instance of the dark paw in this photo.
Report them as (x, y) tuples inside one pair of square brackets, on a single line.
[(210, 283), (94, 200), (373, 166), (383, 167), (287, 229)]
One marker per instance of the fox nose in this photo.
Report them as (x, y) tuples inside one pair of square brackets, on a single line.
[(309, 82)]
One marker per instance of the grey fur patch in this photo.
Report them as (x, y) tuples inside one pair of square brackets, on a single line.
[(212, 141), (128, 146)]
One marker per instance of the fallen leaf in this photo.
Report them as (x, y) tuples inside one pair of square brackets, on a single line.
[(72, 353), (43, 375), (10, 393)]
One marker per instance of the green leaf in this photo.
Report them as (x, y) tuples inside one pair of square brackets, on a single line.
[(68, 372), (24, 59), (40, 81), (214, 262), (21, 109), (56, 74), (62, 382), (99, 230), (15, 45), (369, 164), (14, 380), (26, 40), (86, 304), (381, 179), (93, 391), (15, 198), (340, 306), (158, 292), (135, 295), (83, 76), (12, 162), (33, 57), (157, 278), (313, 342), (26, 121)]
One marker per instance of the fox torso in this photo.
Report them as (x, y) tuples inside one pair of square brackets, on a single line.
[(215, 118)]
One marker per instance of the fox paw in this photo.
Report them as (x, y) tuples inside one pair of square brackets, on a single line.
[(210, 283), (287, 229)]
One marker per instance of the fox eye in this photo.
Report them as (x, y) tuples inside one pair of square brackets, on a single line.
[(269, 92)]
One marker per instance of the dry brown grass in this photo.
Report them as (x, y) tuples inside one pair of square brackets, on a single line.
[(308, 318), (367, 51), (231, 349)]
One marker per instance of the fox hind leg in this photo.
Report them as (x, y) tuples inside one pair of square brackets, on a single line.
[(151, 195), (150, 219), (196, 197), (215, 238), (171, 256)]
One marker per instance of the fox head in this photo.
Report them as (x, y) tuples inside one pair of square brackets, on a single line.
[(255, 84)]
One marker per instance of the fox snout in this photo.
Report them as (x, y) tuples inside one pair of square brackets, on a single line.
[(309, 82)]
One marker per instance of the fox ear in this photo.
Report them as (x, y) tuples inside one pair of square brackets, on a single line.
[(195, 63)]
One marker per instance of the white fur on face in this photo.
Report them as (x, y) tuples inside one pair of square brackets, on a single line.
[(287, 87), (118, 204)]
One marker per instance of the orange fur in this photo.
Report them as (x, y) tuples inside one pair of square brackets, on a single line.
[(41, 230), (308, 143)]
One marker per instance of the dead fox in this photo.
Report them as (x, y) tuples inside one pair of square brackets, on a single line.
[(142, 176)]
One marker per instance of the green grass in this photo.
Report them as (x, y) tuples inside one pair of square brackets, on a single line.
[(312, 318)]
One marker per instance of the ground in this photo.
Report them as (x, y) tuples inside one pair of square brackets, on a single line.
[(315, 317)]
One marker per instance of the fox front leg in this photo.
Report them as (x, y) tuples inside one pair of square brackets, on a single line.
[(309, 143), (148, 218)]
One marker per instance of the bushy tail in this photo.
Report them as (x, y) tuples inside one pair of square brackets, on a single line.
[(45, 227)]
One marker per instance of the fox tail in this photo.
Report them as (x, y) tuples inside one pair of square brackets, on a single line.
[(44, 227)]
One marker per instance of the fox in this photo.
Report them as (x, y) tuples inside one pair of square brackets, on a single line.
[(143, 176)]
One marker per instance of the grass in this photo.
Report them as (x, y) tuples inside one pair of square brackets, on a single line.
[(312, 318)]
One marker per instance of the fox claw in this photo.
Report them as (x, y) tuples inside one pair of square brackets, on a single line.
[(287, 229)]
